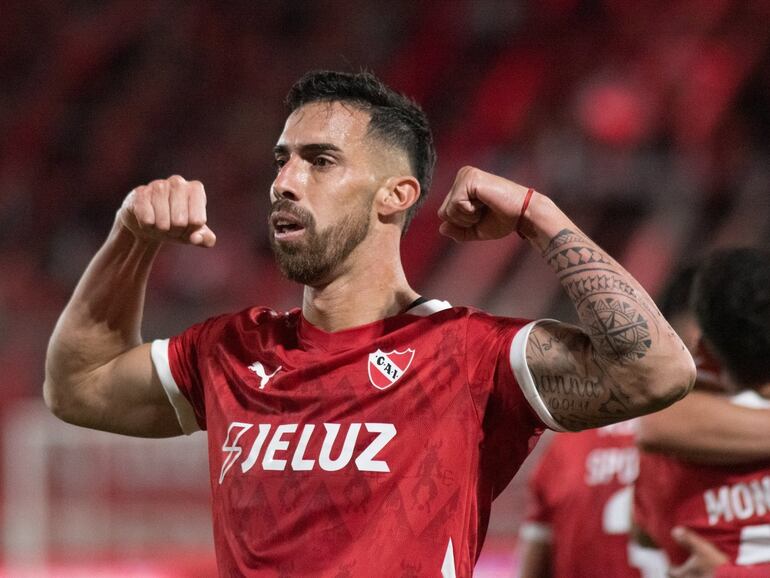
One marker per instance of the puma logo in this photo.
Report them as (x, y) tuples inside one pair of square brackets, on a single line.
[(259, 369)]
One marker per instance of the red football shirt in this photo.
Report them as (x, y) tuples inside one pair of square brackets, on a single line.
[(727, 505), (581, 501), (373, 451), (733, 571)]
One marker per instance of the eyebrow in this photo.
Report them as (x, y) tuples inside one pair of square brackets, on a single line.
[(310, 148)]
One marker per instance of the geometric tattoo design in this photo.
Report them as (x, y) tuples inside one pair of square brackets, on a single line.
[(617, 330), (578, 288), (575, 256)]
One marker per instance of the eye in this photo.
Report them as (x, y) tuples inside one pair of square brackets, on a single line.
[(322, 161), (279, 162)]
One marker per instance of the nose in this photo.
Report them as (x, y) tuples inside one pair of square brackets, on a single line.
[(287, 183)]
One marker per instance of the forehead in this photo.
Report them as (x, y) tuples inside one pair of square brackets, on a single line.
[(325, 122)]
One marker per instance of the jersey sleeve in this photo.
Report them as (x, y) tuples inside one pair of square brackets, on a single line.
[(178, 362), (497, 358), (510, 424)]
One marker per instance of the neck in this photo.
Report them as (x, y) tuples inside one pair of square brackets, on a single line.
[(369, 290)]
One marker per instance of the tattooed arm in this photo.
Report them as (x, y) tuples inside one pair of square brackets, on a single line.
[(624, 359)]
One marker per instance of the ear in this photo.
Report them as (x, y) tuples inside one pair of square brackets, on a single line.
[(396, 196)]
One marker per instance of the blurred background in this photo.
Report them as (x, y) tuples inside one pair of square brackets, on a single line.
[(647, 121)]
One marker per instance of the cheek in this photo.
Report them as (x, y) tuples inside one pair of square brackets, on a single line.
[(302, 177), (339, 194)]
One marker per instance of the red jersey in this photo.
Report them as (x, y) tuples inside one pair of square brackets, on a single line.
[(581, 501), (373, 451), (727, 505), (733, 571)]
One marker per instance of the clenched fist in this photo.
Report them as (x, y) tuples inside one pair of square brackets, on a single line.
[(171, 209), (481, 206)]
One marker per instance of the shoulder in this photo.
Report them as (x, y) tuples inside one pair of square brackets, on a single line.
[(479, 320), (443, 311), (243, 322)]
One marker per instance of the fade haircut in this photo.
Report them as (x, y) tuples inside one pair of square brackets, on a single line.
[(731, 298), (394, 118)]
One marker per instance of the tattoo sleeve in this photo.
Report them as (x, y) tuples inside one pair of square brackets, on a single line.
[(594, 374)]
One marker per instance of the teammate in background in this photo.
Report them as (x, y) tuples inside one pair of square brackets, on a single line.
[(726, 505), (580, 510), (367, 432), (579, 514)]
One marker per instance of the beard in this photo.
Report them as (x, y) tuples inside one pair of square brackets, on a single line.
[(313, 260)]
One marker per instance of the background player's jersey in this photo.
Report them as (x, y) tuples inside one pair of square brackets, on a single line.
[(373, 451), (733, 571), (727, 505), (581, 501)]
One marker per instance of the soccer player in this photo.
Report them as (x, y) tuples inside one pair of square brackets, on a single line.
[(367, 432), (729, 506), (579, 515)]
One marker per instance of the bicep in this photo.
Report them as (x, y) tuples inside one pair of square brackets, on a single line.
[(126, 396), (571, 381)]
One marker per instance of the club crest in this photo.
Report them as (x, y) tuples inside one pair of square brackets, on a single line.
[(385, 369)]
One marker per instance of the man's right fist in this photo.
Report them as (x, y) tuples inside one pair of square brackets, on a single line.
[(171, 209)]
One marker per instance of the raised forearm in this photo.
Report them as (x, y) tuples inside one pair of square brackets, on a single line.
[(621, 320), (624, 359), (98, 373), (627, 359), (103, 317)]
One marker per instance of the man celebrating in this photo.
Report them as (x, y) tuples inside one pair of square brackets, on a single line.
[(366, 433)]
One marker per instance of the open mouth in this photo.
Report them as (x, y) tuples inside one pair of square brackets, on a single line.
[(286, 226)]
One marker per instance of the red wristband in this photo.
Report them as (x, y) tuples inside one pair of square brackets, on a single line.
[(524, 206)]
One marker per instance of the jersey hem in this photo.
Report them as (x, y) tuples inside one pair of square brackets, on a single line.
[(518, 360), (182, 407)]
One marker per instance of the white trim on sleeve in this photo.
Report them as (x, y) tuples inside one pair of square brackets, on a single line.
[(184, 411), (535, 532), (518, 360)]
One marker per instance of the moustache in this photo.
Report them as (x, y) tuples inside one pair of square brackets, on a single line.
[(303, 216)]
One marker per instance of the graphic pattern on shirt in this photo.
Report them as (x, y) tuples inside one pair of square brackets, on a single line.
[(317, 472)]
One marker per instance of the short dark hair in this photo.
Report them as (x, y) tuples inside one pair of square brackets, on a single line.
[(731, 298), (394, 117), (675, 297)]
